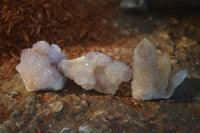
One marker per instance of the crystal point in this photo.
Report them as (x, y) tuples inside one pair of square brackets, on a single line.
[(152, 78)]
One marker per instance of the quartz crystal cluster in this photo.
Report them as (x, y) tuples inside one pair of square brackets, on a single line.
[(38, 67), (152, 75), (96, 71), (45, 66)]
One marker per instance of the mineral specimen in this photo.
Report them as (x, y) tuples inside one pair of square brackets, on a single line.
[(38, 67), (152, 79), (96, 71)]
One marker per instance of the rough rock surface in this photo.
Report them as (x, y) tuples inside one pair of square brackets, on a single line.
[(38, 67), (152, 78), (96, 71)]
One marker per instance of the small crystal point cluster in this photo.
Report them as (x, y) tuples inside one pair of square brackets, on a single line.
[(45, 66), (152, 75), (38, 67), (96, 71)]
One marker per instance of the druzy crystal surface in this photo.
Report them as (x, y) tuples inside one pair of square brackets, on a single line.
[(152, 75), (96, 71), (38, 67)]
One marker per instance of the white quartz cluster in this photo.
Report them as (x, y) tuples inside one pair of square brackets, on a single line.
[(45, 66), (38, 67), (96, 71), (152, 76)]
